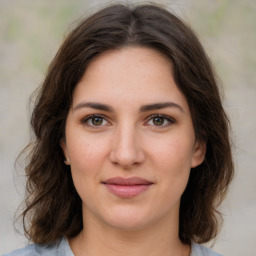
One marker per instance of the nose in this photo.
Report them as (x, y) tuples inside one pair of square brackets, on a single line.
[(126, 150)]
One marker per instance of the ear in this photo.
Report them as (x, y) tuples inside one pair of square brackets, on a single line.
[(65, 152), (198, 153)]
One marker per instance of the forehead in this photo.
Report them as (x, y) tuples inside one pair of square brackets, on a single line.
[(131, 74), (133, 60), (136, 52)]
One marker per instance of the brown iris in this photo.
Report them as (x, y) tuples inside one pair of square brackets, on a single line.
[(158, 121), (97, 121)]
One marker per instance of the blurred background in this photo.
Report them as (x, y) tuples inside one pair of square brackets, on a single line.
[(30, 34)]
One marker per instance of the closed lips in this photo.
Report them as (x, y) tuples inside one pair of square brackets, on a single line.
[(127, 187), (127, 181)]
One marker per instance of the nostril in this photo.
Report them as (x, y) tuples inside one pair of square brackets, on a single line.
[(126, 151)]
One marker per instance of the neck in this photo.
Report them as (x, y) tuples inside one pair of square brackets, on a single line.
[(98, 240)]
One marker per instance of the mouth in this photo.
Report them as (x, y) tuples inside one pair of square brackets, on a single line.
[(127, 187)]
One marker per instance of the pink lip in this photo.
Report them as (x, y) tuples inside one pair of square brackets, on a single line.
[(127, 187)]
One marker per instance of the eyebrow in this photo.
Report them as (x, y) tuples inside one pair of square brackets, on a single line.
[(157, 106), (94, 105), (144, 108)]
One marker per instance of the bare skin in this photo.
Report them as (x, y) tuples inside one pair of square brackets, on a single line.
[(128, 119)]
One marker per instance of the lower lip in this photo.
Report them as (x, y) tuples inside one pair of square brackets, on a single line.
[(127, 191)]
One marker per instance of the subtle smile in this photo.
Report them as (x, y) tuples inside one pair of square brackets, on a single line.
[(127, 187)]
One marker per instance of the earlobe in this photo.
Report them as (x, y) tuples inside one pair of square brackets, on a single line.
[(64, 149), (198, 154), (66, 161)]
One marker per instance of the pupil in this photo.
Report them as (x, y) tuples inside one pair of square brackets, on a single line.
[(97, 120), (158, 120)]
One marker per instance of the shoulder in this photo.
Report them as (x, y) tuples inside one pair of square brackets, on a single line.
[(27, 251), (60, 247), (199, 250)]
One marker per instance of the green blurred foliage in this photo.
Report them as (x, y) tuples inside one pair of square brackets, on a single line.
[(35, 29)]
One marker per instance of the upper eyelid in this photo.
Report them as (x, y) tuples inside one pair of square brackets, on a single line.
[(161, 115), (86, 118), (96, 114), (169, 119)]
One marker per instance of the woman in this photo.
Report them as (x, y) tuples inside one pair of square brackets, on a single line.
[(131, 153)]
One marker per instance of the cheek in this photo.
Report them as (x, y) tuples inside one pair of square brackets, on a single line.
[(172, 161), (86, 159), (86, 150), (173, 152)]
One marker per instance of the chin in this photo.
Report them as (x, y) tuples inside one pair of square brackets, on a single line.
[(128, 224), (128, 220)]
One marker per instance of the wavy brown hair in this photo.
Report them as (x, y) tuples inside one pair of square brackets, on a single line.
[(53, 207)]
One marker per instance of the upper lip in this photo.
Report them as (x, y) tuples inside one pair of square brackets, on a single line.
[(127, 181)]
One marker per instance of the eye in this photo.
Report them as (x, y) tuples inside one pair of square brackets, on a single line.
[(160, 120), (95, 120)]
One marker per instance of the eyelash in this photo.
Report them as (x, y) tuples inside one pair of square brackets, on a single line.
[(86, 120), (166, 118)]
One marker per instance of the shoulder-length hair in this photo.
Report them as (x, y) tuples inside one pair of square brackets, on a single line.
[(53, 207)]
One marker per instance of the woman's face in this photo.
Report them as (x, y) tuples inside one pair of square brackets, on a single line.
[(130, 140)]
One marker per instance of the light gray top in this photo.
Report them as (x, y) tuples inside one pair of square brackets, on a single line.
[(62, 248)]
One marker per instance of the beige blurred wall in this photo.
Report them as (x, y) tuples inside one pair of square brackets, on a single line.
[(30, 33)]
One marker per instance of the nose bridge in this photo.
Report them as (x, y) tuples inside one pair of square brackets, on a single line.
[(126, 149)]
